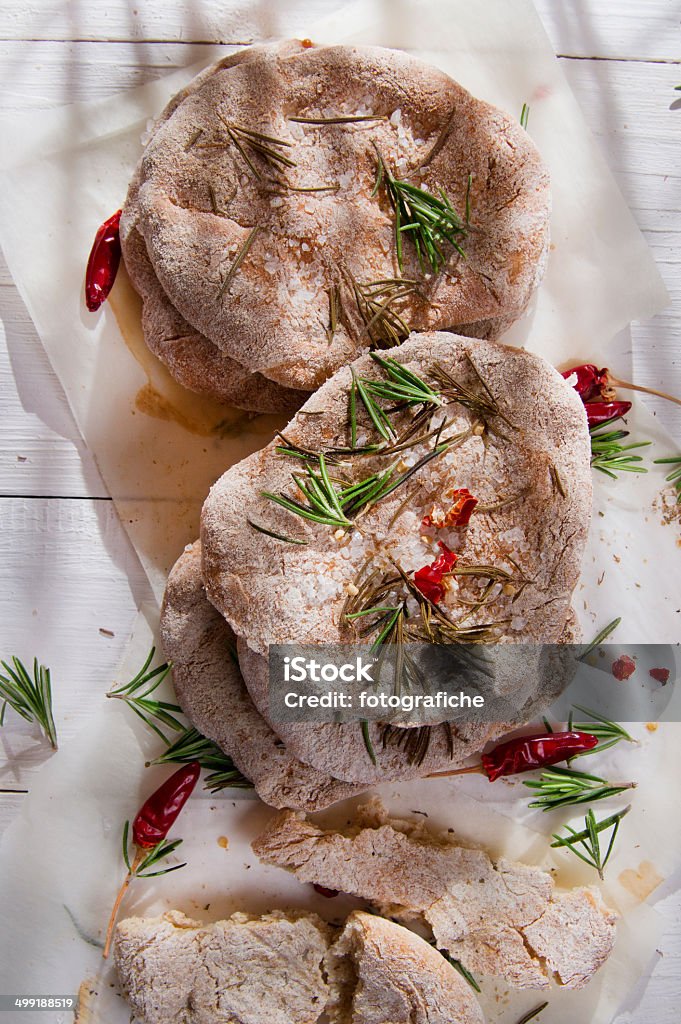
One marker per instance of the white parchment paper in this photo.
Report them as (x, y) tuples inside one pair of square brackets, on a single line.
[(62, 173)]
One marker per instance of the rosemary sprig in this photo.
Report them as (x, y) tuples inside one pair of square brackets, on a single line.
[(429, 221), (191, 745), (137, 695), (457, 965), (531, 1014), (675, 476), (524, 116), (238, 260), (609, 456), (30, 697), (609, 733), (159, 852), (326, 504), (340, 119), (600, 638), (482, 404), (589, 840), (273, 533), (564, 787), (253, 143), (403, 385), (383, 325)]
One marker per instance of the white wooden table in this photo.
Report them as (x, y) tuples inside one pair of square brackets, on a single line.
[(69, 577)]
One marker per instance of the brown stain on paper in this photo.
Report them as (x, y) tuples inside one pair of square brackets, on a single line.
[(162, 397), (642, 881)]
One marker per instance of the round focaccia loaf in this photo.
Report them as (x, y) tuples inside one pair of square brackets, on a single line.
[(193, 360), (211, 692), (254, 258), (381, 973), (530, 470)]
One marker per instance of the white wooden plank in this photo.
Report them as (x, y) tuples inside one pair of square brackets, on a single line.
[(631, 108), (67, 572), (41, 451), (582, 28), (627, 29)]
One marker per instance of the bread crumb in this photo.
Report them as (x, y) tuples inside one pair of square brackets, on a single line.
[(223, 841), (652, 726)]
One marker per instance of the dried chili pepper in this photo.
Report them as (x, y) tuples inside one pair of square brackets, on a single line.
[(528, 752), (590, 381), (157, 815), (458, 515), (103, 262), (154, 820), (430, 579), (603, 412), (525, 753), (660, 675), (623, 668)]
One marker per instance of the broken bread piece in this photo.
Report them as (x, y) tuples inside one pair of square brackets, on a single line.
[(177, 971), (499, 918), (286, 969), (381, 973)]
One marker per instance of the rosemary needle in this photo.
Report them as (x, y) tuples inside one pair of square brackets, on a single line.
[(600, 638), (531, 1014), (524, 116), (238, 260), (675, 476)]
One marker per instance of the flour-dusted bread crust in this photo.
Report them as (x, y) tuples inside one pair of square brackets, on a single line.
[(199, 200), (274, 592), (499, 918), (212, 694), (322, 745), (381, 973), (176, 971), (193, 360)]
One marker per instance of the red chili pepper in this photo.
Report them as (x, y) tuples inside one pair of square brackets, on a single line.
[(157, 815), (590, 380), (623, 668), (154, 820), (603, 412), (660, 675), (429, 579), (458, 515), (102, 265), (528, 752)]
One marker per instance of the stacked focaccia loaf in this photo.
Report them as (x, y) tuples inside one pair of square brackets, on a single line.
[(350, 517), (265, 254)]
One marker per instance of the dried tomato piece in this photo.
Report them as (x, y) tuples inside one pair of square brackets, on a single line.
[(624, 667), (458, 515), (430, 579), (660, 675)]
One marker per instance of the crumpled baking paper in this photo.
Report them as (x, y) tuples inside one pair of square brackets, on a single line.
[(62, 173)]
